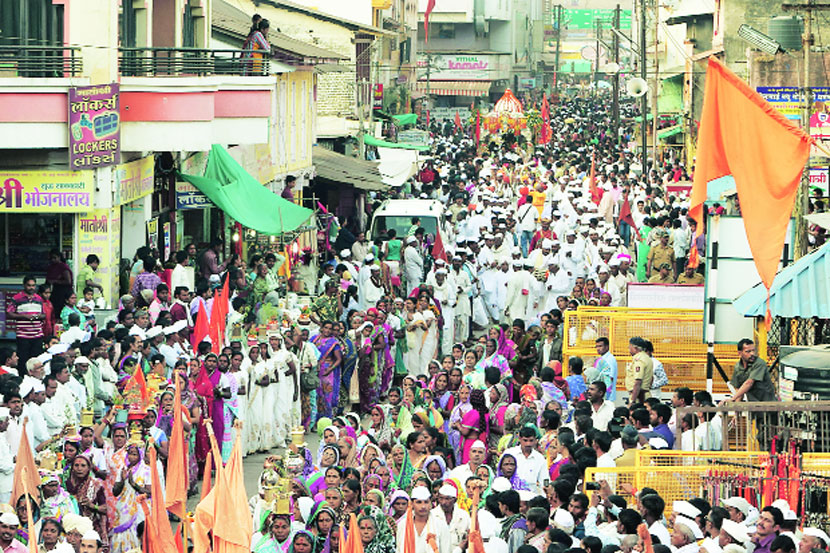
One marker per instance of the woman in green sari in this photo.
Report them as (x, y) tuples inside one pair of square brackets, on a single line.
[(643, 249)]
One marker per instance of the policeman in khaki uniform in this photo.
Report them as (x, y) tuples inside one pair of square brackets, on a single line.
[(639, 373), (690, 276), (663, 277), (659, 254)]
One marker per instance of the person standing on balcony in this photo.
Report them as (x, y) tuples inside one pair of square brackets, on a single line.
[(257, 41)]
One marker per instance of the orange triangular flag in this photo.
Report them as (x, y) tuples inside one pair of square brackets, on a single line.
[(135, 390), (233, 527), (201, 328), (206, 482), (176, 485), (742, 135), (342, 535), (354, 544), (409, 532), (160, 533), (25, 469), (203, 519)]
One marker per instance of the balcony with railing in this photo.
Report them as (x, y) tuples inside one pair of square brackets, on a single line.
[(40, 61), (162, 62)]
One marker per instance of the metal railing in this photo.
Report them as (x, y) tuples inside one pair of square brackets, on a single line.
[(40, 61), (153, 62)]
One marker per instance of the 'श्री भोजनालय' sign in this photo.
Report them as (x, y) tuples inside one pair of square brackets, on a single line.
[(46, 191)]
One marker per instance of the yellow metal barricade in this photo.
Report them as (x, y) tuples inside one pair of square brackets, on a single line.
[(677, 336)]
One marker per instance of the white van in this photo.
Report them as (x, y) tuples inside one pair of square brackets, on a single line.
[(398, 214)]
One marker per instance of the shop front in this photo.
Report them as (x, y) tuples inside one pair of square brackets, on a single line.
[(39, 214)]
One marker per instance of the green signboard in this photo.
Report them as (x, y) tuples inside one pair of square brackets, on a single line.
[(585, 19)]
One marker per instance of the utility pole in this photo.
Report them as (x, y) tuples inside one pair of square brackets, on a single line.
[(644, 97), (598, 23), (802, 199), (656, 88), (616, 105), (558, 44)]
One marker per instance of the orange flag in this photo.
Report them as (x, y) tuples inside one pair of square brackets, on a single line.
[(201, 327), (596, 193), (218, 317), (25, 469), (135, 390), (475, 542), (409, 532), (743, 136), (353, 543), (232, 529), (206, 483), (160, 533), (176, 485)]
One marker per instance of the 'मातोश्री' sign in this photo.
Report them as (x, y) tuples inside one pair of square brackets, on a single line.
[(94, 126), (46, 191), (99, 233)]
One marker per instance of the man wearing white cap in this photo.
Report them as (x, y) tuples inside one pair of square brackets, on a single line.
[(488, 525), (9, 524), (90, 542), (430, 527), (458, 520), (413, 264), (813, 538), (738, 508), (518, 293), (685, 535), (478, 451), (36, 428), (464, 294), (732, 532)]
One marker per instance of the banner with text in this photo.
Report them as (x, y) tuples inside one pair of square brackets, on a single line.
[(460, 67), (190, 197), (94, 126), (134, 180), (46, 191), (99, 232)]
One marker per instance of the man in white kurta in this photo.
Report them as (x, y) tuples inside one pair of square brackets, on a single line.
[(518, 293), (445, 292), (428, 526), (413, 267), (463, 309)]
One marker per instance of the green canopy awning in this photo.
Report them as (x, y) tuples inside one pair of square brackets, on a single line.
[(669, 132), (406, 118), (639, 118), (242, 197), (370, 140)]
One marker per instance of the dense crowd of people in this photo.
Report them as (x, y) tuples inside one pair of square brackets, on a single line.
[(429, 365)]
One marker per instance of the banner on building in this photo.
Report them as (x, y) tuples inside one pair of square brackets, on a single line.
[(153, 232), (460, 67), (377, 96), (94, 126), (787, 100), (190, 197), (46, 191), (134, 180), (99, 232)]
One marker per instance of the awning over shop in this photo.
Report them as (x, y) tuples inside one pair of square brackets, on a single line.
[(406, 118), (668, 132), (799, 290), (247, 201), (338, 168), (397, 166), (455, 88), (372, 141)]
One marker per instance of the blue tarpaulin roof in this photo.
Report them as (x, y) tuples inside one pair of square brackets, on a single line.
[(799, 290)]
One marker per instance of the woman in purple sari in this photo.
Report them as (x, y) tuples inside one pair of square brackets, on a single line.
[(374, 359), (506, 347), (331, 357)]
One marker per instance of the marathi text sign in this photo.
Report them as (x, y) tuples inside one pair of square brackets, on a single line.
[(135, 180), (94, 126), (99, 232), (46, 191), (190, 197)]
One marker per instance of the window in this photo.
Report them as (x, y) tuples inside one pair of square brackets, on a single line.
[(401, 224), (446, 31)]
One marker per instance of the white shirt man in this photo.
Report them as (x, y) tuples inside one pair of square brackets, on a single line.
[(478, 451), (6, 460), (531, 465), (426, 523), (458, 520)]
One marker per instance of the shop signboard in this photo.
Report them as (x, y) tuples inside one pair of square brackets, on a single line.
[(134, 180), (460, 67), (167, 239), (819, 179), (99, 232), (377, 96), (190, 197), (46, 191), (153, 232), (414, 136), (585, 19), (94, 126)]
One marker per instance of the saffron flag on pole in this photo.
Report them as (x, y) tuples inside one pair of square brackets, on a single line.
[(430, 7), (160, 533), (625, 213), (201, 327), (176, 484), (742, 135), (596, 193), (354, 543), (25, 469), (232, 520), (409, 532), (457, 120)]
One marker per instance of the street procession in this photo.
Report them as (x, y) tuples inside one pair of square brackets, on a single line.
[(414, 276)]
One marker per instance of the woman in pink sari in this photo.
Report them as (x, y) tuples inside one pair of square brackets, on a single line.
[(475, 425)]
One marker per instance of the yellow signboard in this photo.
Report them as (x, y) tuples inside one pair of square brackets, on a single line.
[(99, 232), (46, 191)]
